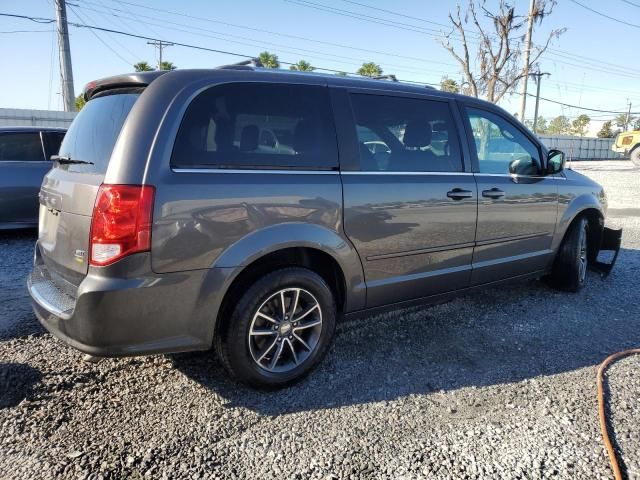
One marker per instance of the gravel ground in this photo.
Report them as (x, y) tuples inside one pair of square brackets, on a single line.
[(499, 384)]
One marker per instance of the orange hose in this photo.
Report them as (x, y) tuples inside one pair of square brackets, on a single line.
[(601, 409)]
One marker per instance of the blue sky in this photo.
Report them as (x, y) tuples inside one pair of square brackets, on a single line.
[(587, 63)]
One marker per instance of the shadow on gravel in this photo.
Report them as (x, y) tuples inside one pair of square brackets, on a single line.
[(16, 383), (16, 255), (493, 337)]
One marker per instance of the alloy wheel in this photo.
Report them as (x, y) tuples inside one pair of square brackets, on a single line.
[(285, 330)]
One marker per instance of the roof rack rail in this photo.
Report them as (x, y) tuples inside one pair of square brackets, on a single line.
[(386, 77), (248, 64)]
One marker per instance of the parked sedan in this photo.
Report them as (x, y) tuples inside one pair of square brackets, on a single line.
[(24, 160)]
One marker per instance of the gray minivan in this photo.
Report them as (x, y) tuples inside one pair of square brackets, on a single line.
[(248, 209)]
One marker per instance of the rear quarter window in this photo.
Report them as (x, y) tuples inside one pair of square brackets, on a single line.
[(253, 125), (21, 147), (52, 142), (93, 133)]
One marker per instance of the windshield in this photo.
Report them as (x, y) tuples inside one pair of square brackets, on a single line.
[(94, 131)]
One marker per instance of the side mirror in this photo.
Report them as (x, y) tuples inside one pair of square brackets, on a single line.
[(555, 162)]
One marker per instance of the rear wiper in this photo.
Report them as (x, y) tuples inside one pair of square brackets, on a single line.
[(68, 161)]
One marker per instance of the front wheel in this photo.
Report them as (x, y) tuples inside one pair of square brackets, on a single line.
[(635, 155), (279, 330), (572, 261)]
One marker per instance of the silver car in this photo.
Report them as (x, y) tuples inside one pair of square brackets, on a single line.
[(244, 209), (24, 161)]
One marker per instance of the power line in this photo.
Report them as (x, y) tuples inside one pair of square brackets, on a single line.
[(27, 31), (115, 52), (244, 55), (552, 51), (308, 4), (631, 3), (605, 15), (271, 32), (596, 63), (366, 18), (155, 32), (261, 43), (398, 14), (580, 108), (27, 17), (123, 47)]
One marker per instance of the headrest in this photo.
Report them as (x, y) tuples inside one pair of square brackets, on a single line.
[(249, 138), (303, 137), (417, 134)]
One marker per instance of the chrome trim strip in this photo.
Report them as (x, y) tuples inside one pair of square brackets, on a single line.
[(443, 248), (527, 236), (272, 171), (406, 173), (514, 258), (509, 175), (255, 171)]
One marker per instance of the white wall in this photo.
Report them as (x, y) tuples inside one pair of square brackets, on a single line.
[(18, 117)]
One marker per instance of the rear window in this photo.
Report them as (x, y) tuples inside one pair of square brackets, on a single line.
[(253, 125), (95, 129), (21, 147), (52, 142), (398, 134)]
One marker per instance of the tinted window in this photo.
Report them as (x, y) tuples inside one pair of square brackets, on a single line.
[(52, 142), (405, 134), (24, 147), (94, 131), (253, 125), (501, 146)]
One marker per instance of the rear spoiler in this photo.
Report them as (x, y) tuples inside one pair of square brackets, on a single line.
[(130, 80)]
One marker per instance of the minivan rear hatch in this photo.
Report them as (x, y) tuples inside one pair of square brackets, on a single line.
[(69, 190)]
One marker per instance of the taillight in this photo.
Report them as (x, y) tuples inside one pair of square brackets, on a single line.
[(121, 222)]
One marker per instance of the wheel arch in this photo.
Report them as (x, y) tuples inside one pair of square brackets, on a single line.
[(585, 206), (305, 245)]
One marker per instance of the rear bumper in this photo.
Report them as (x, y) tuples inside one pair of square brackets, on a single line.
[(129, 315)]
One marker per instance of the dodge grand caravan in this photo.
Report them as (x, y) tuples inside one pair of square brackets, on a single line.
[(248, 209)]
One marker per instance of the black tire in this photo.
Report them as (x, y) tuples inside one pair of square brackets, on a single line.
[(571, 263), (238, 342), (634, 155)]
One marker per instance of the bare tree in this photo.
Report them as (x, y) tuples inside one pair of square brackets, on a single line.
[(495, 67)]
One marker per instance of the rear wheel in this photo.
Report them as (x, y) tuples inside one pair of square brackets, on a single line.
[(279, 330), (572, 261), (635, 155)]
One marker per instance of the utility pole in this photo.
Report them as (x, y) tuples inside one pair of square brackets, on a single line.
[(66, 72), (538, 79), (527, 56), (628, 120), (160, 45)]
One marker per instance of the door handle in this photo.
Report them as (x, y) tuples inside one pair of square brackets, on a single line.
[(493, 193), (459, 194)]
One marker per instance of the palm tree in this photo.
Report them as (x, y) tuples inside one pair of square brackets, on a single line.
[(370, 69), (302, 66), (143, 67), (167, 66), (269, 60), (449, 85)]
